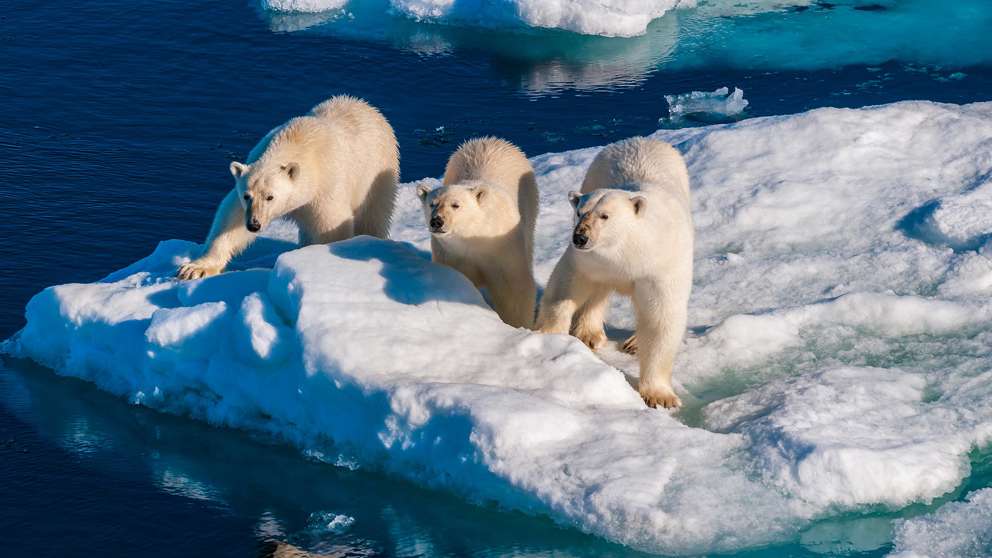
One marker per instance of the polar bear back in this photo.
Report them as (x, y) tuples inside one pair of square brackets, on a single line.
[(639, 164)]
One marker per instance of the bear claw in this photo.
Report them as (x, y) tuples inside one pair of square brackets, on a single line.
[(594, 340), (630, 345), (192, 270), (660, 397)]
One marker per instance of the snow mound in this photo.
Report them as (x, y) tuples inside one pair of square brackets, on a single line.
[(708, 106), (956, 530), (837, 359)]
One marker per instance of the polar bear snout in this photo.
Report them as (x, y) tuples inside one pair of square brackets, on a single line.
[(253, 225), (579, 238), (437, 224)]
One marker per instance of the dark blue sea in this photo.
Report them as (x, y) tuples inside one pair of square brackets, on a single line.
[(117, 123)]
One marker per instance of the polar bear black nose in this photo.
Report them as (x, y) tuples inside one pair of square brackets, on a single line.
[(436, 223), (253, 225), (579, 239)]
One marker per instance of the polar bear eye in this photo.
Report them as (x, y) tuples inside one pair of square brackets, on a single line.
[(455, 206), (604, 217), (247, 197), (269, 198)]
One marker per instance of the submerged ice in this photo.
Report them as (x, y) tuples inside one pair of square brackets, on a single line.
[(837, 362)]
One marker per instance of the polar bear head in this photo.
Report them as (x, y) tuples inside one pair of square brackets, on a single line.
[(267, 190), (460, 210), (603, 218)]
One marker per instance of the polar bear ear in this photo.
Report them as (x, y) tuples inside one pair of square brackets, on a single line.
[(422, 190), (480, 193), (238, 169), (292, 169), (573, 198), (640, 202)]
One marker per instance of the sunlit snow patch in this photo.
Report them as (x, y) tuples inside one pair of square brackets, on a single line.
[(837, 361)]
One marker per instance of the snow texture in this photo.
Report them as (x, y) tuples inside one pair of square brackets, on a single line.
[(956, 530), (837, 358)]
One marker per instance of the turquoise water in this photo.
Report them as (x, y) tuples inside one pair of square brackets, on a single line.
[(117, 125)]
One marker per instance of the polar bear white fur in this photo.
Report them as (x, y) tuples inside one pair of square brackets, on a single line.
[(333, 171), (634, 236), (482, 223)]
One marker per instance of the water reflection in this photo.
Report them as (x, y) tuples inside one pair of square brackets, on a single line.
[(546, 61), (297, 506), (773, 35)]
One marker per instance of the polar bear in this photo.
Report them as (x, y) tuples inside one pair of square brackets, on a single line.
[(333, 171), (634, 236), (482, 223)]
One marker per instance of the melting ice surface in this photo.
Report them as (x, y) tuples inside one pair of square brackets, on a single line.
[(838, 357)]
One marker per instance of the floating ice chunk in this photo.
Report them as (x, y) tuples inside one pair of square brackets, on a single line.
[(611, 18), (328, 522), (714, 106), (836, 360), (303, 6), (955, 530)]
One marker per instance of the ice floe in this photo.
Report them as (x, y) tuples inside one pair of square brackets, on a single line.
[(838, 357), (711, 106)]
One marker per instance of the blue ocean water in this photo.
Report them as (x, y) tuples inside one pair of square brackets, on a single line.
[(118, 120)]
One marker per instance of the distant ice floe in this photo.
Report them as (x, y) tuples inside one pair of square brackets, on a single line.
[(608, 18), (303, 6), (707, 106), (838, 359), (613, 18)]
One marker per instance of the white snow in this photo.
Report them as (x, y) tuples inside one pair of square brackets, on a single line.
[(837, 358), (610, 18), (720, 103), (956, 530), (303, 6), (614, 18)]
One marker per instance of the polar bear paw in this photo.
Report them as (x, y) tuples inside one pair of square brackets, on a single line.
[(197, 269), (630, 345), (593, 339), (660, 396)]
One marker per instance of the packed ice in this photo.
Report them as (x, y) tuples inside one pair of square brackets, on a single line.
[(956, 530), (837, 359)]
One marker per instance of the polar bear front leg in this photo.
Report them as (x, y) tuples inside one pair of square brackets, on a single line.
[(324, 221), (661, 321), (566, 291), (228, 237), (514, 297), (590, 317)]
